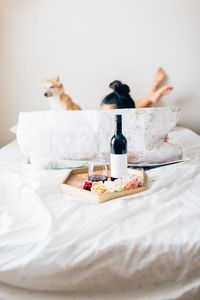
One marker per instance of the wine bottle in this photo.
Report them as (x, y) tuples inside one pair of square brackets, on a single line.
[(118, 151)]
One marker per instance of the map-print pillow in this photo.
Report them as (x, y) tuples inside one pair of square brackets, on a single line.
[(84, 135)]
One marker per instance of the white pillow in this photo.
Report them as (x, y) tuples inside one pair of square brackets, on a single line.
[(80, 135)]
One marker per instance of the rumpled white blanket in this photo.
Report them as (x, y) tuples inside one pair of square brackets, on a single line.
[(81, 135), (142, 247)]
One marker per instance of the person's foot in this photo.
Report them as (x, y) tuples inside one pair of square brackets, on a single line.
[(163, 91), (159, 77)]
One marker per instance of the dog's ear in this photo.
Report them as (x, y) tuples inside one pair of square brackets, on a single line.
[(57, 78)]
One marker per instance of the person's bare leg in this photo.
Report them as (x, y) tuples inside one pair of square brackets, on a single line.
[(146, 102), (154, 97), (163, 91), (159, 77), (156, 93)]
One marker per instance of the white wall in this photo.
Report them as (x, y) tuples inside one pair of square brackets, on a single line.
[(92, 42)]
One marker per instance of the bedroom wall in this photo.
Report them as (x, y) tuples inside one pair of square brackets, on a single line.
[(90, 43)]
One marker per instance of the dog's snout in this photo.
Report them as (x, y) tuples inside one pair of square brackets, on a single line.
[(46, 94)]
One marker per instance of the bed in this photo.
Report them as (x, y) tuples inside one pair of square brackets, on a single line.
[(142, 247)]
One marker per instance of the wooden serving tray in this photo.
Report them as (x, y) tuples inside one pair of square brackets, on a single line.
[(76, 177)]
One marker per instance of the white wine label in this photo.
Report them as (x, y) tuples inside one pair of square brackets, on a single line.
[(118, 165)]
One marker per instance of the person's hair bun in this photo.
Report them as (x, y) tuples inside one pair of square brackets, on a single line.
[(120, 88)]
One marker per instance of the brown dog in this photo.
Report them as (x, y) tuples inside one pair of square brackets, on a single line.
[(54, 88)]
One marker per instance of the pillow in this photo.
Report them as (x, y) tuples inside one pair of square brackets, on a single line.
[(81, 135)]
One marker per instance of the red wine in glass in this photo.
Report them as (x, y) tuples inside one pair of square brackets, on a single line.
[(97, 178)]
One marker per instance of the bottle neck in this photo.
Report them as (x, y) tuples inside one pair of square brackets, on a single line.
[(118, 128)]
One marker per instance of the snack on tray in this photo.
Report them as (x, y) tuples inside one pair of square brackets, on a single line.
[(99, 188), (132, 183), (114, 186), (87, 185), (123, 184)]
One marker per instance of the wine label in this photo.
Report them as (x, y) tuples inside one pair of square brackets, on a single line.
[(118, 165)]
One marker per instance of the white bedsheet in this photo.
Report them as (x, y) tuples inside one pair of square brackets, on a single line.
[(143, 247)]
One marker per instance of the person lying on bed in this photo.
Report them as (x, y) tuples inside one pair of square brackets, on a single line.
[(120, 97)]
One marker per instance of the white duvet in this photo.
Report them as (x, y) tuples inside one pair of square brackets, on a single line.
[(143, 247)]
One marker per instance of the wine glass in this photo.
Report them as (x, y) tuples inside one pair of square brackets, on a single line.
[(97, 171)]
